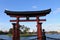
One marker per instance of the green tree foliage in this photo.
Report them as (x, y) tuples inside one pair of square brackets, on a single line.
[(1, 32), (26, 30), (23, 29), (10, 30)]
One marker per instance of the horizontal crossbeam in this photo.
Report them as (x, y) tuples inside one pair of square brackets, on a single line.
[(27, 20)]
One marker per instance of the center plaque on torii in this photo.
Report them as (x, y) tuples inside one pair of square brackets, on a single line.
[(27, 14)]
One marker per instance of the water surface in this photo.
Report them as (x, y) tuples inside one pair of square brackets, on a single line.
[(6, 37)]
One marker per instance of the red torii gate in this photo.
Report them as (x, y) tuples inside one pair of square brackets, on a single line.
[(27, 14)]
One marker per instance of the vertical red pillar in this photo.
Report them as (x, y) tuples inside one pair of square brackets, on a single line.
[(17, 29), (39, 29), (13, 32)]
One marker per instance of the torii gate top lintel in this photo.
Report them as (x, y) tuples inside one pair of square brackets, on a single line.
[(27, 13)]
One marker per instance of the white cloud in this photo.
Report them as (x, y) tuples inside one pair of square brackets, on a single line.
[(56, 11), (5, 26), (52, 27), (34, 6)]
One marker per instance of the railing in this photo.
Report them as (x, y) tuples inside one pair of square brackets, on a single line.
[(53, 38), (44, 37), (2, 39), (47, 38)]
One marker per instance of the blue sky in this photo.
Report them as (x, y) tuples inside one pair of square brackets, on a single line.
[(53, 19)]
